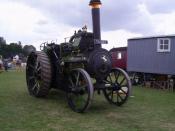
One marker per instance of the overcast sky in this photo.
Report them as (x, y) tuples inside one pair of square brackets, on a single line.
[(36, 21)]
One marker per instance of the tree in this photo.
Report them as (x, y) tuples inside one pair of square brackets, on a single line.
[(12, 49), (2, 41), (9, 50), (2, 46)]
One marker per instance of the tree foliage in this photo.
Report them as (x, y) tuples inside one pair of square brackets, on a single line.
[(12, 49)]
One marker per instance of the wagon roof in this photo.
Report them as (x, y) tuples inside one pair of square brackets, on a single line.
[(118, 49), (150, 37)]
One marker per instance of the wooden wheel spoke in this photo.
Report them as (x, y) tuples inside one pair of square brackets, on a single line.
[(39, 69), (117, 76), (31, 77), (37, 62), (106, 81), (70, 79), (35, 86), (110, 78), (77, 79), (83, 87), (123, 91), (112, 95), (119, 96), (122, 81), (31, 66)]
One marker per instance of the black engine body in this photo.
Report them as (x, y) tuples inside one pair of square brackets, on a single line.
[(79, 52)]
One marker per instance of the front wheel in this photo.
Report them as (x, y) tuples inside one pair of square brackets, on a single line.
[(80, 90), (118, 87)]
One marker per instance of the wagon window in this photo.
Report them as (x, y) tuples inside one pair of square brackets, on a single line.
[(76, 41), (119, 55), (163, 45)]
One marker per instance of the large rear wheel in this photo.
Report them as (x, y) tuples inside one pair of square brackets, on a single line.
[(38, 74), (80, 90), (118, 87)]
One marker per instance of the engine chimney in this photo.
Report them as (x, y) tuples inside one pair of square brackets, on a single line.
[(95, 4)]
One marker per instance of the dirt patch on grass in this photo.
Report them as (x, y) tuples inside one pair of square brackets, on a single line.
[(169, 126), (114, 116)]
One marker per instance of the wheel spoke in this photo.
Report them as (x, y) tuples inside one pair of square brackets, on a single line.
[(31, 77), (77, 79), (123, 91), (34, 87), (118, 94), (70, 80), (117, 77), (39, 68), (122, 81), (37, 63), (31, 66), (106, 81), (83, 87), (38, 87), (110, 78)]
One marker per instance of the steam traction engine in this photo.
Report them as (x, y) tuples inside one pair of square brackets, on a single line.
[(78, 67)]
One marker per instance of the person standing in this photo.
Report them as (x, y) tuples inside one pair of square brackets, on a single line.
[(1, 64), (5, 65)]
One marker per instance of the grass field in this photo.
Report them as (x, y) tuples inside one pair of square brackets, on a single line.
[(148, 110)]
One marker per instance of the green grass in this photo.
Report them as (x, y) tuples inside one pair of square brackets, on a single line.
[(148, 110)]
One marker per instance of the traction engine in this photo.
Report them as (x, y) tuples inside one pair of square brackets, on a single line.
[(78, 67)]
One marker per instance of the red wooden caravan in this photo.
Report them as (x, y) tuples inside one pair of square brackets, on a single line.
[(119, 57)]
